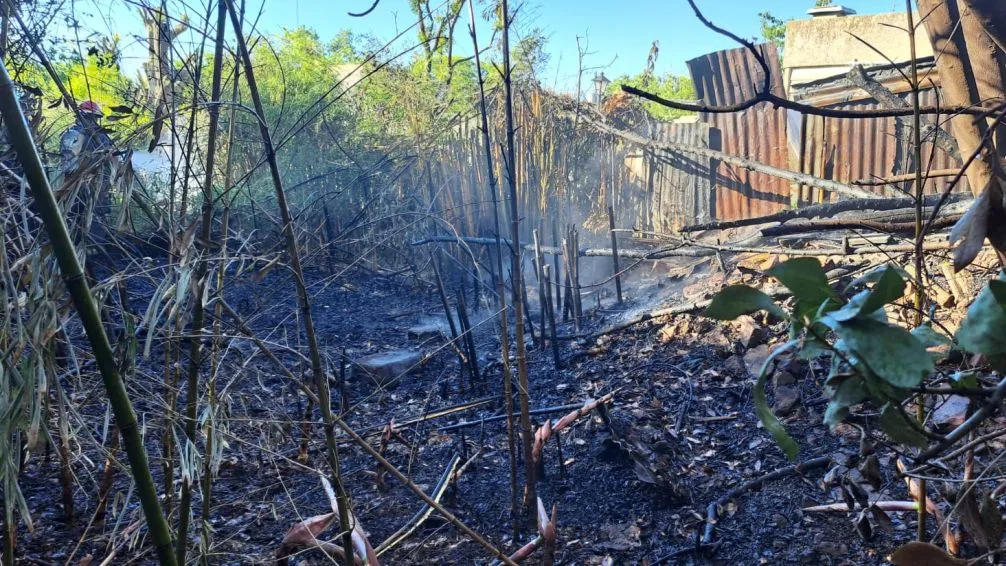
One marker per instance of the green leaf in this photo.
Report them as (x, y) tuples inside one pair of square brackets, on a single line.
[(835, 414), (805, 277), (983, 331), (736, 300), (850, 392), (887, 289), (899, 429), (964, 380), (930, 338), (891, 352), (764, 412), (889, 286)]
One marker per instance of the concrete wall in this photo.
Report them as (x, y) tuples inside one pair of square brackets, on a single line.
[(825, 46)]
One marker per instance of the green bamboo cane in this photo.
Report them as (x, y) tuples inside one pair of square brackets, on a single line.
[(73, 276), (202, 272)]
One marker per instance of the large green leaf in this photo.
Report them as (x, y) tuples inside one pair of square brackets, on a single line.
[(891, 352), (888, 287), (899, 429), (805, 277), (736, 300), (768, 418), (983, 331)]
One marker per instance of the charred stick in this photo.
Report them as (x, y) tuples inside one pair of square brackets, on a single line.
[(543, 291), (551, 319), (614, 254), (473, 363), (450, 316), (712, 509), (555, 263), (494, 418)]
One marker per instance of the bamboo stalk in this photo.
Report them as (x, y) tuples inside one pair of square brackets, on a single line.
[(73, 275), (462, 362), (466, 329), (202, 271), (539, 260), (320, 380), (501, 295), (522, 378), (614, 254), (920, 400), (551, 318)]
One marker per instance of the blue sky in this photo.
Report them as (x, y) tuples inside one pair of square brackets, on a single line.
[(618, 32)]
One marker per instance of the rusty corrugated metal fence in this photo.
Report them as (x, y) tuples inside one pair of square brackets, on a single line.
[(758, 133)]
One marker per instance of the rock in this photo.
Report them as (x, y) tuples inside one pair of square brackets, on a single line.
[(831, 548), (734, 365), (385, 368), (719, 342), (783, 379), (424, 331), (750, 332), (950, 411), (755, 358), (786, 399), (794, 366)]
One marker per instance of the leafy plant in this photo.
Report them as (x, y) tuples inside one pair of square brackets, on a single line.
[(871, 358)]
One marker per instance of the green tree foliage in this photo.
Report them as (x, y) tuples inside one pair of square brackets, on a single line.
[(98, 77), (773, 30), (668, 86)]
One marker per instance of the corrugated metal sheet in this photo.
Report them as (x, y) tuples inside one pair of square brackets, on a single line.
[(676, 187), (848, 150), (758, 133)]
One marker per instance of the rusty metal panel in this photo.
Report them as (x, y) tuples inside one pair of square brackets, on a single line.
[(757, 133), (848, 150), (675, 187)]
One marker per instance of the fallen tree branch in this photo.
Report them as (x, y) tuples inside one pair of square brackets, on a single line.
[(744, 163), (690, 248), (905, 226), (943, 140), (712, 509), (824, 210)]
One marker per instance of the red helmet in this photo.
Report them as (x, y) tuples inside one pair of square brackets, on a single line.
[(91, 107)]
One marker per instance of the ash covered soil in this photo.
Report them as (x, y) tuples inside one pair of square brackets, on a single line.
[(681, 433)]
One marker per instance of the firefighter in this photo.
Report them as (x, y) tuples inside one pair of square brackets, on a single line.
[(87, 164)]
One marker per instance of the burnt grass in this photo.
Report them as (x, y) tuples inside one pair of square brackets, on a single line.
[(681, 393)]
